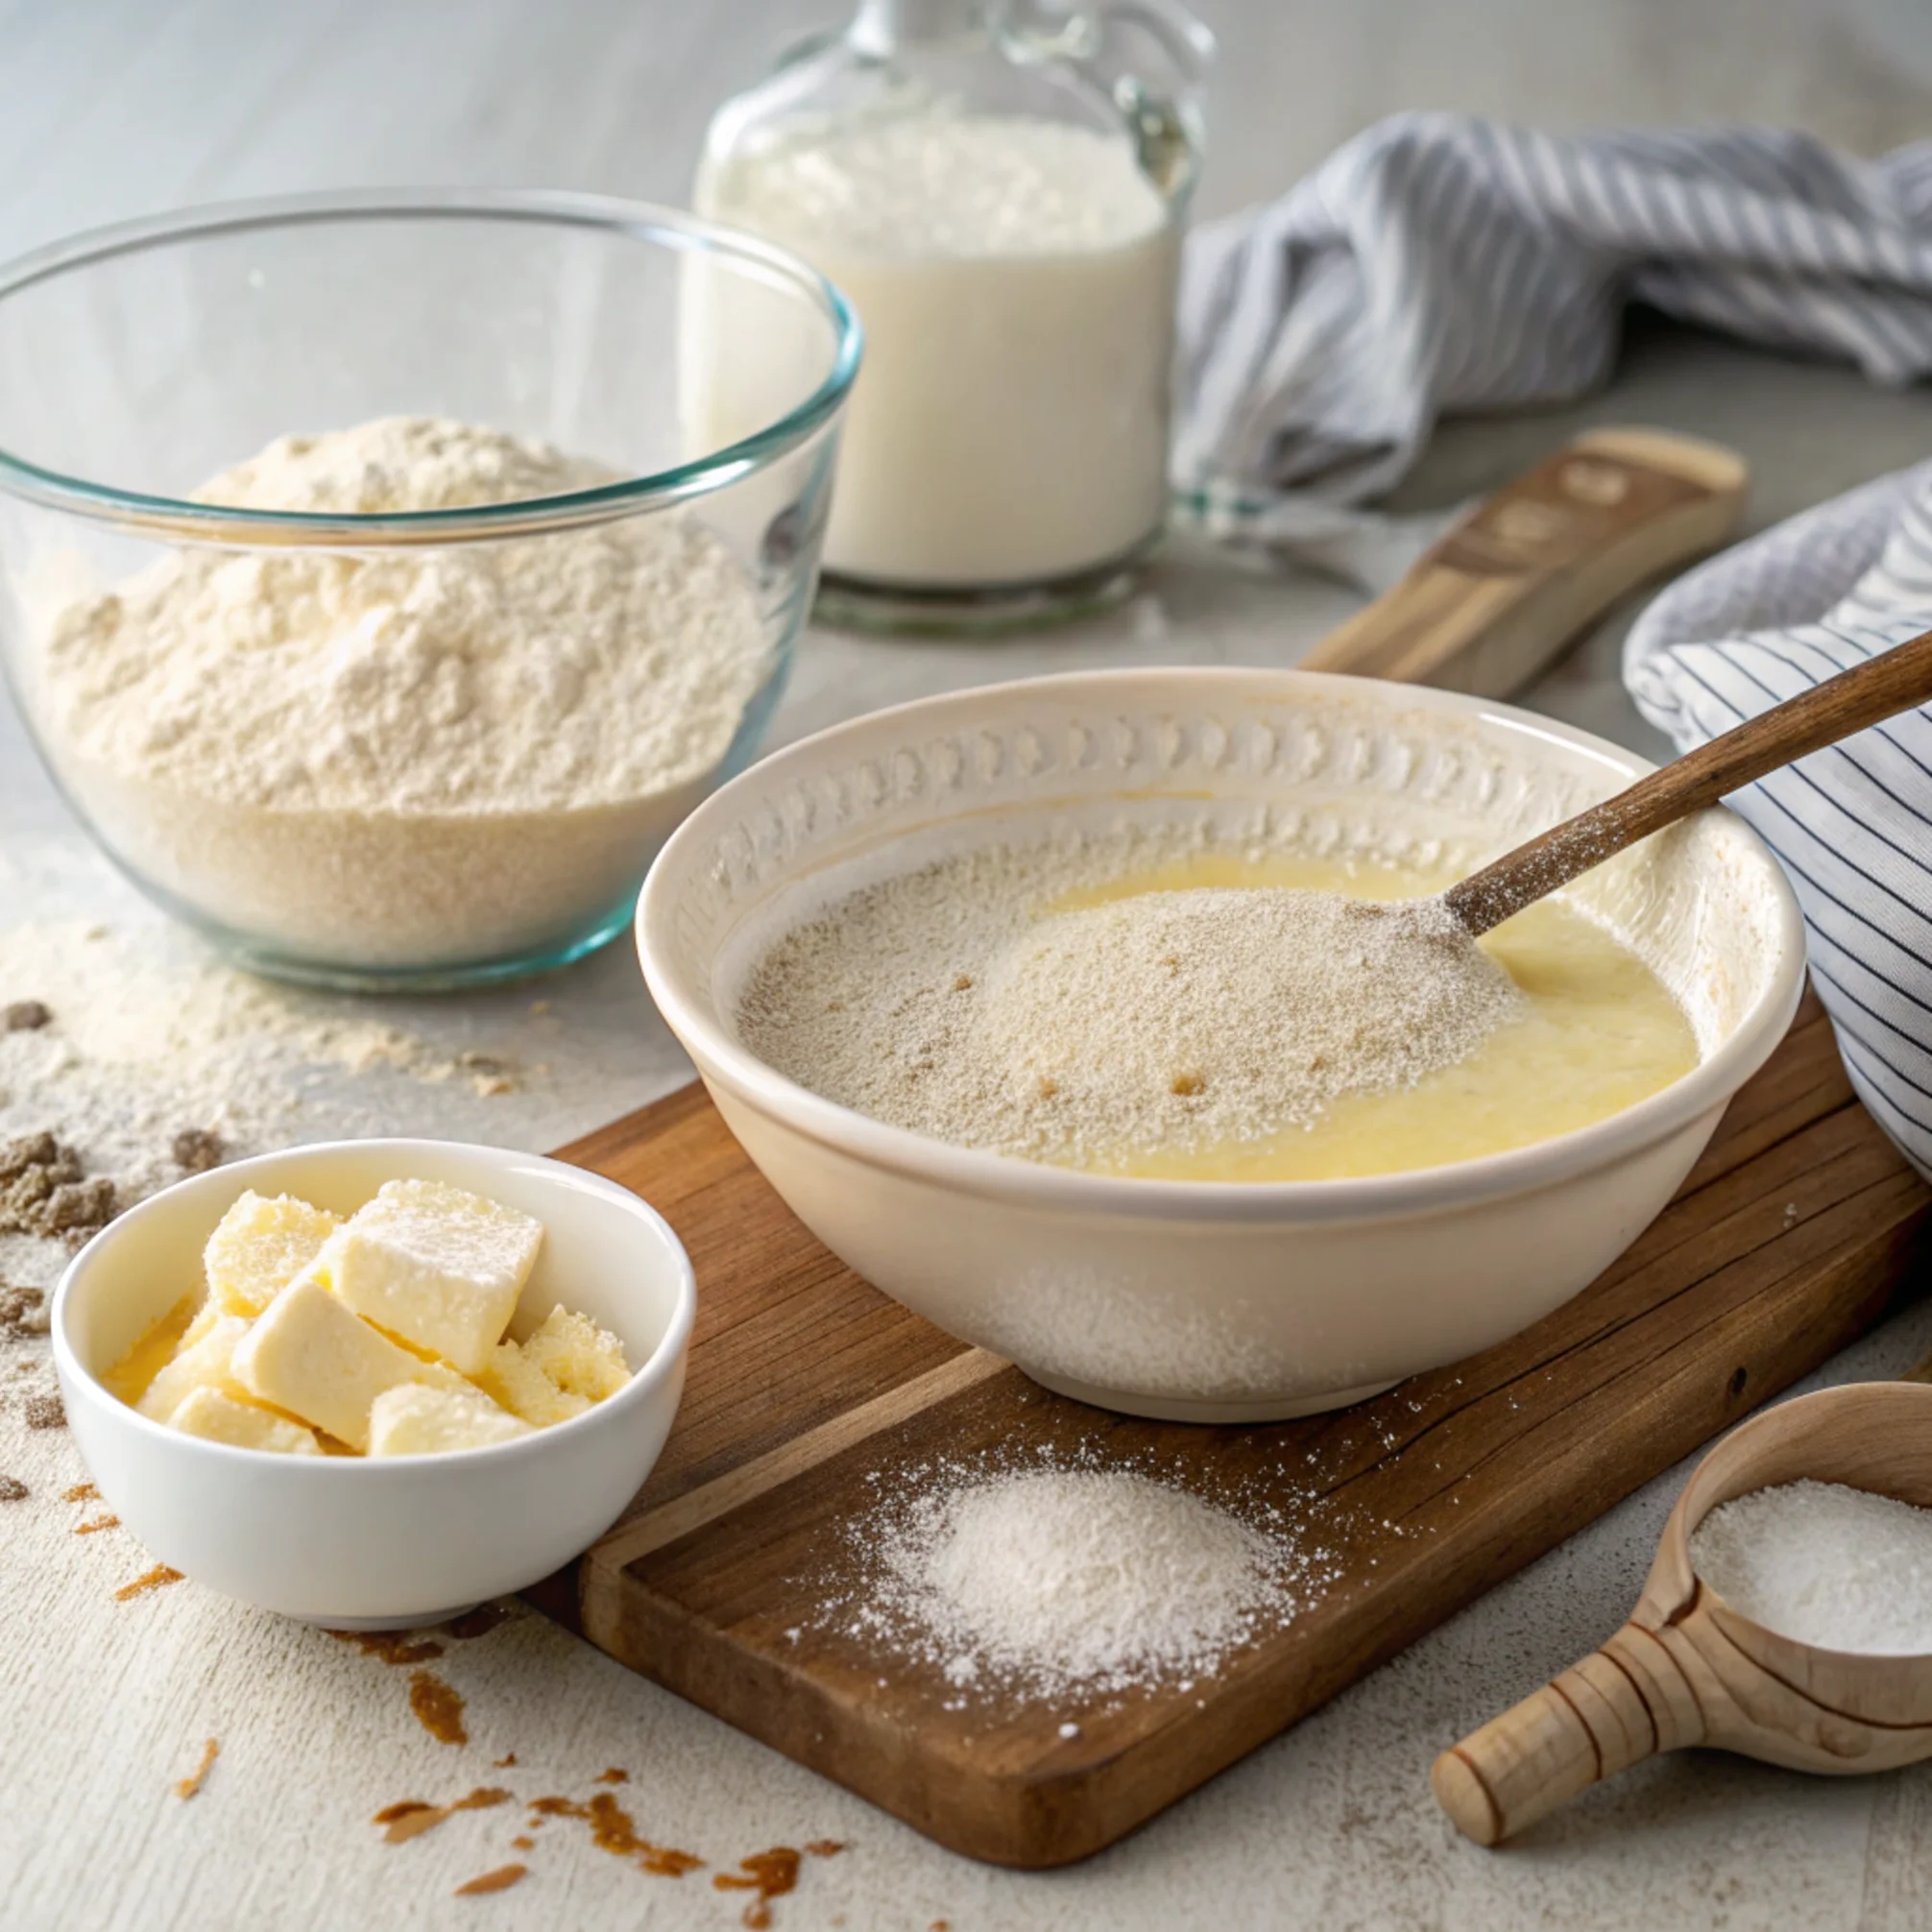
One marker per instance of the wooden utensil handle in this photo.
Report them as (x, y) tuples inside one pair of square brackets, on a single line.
[(1867, 693), (1586, 1726)]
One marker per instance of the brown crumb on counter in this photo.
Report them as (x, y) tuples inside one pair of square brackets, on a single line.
[(188, 1786), (99, 1523), (391, 1646), (613, 1777), (438, 1708), (80, 1492), (500, 1880), (25, 1016), (12, 1489), (45, 1412), (521, 1843), (826, 1847), (156, 1579), (23, 1311), (41, 1192), (504, 1762), (197, 1150)]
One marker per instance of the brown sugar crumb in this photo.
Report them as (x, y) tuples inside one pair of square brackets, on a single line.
[(438, 1708), (156, 1579), (45, 1412), (41, 1192), (25, 1016), (500, 1880), (80, 1492), (23, 1311), (826, 1847), (1047, 1087), (392, 1646), (1186, 1085), (99, 1523), (188, 1786), (197, 1150), (771, 1874), (613, 1777), (962, 983), (12, 1489), (476, 1623)]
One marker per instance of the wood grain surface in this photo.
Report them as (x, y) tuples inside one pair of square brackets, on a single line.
[(810, 1391)]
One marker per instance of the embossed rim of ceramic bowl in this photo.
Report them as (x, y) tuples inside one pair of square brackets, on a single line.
[(1708, 1085)]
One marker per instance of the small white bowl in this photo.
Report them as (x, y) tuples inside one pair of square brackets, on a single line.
[(1206, 1301), (394, 1542)]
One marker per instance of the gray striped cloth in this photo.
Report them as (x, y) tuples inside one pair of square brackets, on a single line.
[(1852, 825), (1439, 262)]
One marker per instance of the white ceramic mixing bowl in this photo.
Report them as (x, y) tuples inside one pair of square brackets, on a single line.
[(393, 1542), (1213, 1301)]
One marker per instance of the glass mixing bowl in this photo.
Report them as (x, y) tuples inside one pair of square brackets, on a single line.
[(139, 361)]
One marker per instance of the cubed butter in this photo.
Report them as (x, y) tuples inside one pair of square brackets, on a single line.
[(220, 1418), (513, 1382), (316, 1357), (260, 1246), (578, 1355), (438, 1266), (418, 1420), (205, 1359)]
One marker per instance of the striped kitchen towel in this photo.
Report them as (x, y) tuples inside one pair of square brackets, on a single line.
[(1441, 262), (1851, 825)]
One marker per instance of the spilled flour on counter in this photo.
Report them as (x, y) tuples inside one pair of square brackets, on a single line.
[(1068, 1577), (942, 1002), (1824, 1564)]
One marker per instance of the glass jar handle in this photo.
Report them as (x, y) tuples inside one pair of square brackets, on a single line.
[(1111, 40)]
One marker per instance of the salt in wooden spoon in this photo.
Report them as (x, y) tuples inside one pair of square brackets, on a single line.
[(1688, 1668), (1867, 693)]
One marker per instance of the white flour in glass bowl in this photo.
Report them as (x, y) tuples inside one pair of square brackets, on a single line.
[(407, 757)]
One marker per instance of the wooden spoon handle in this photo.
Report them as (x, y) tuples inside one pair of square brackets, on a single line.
[(1864, 695), (1623, 1702)]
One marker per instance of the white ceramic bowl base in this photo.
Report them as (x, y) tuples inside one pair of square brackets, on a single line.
[(380, 1543), (1200, 1301)]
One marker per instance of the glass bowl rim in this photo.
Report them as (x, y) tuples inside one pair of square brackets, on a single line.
[(650, 222)]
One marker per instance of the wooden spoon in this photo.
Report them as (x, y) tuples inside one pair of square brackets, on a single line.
[(1876, 689), (1688, 1668)]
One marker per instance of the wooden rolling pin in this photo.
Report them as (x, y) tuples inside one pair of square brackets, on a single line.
[(1487, 607)]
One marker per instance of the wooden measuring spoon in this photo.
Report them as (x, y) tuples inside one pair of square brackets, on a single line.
[(1687, 1668), (1867, 693)]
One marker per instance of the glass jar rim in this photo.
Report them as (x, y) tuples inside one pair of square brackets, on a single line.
[(182, 519)]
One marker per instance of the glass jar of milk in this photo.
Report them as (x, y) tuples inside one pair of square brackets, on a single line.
[(999, 189)]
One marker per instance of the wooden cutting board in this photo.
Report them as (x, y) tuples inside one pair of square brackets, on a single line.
[(808, 1389)]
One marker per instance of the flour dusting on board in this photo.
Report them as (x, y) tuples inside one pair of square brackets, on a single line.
[(1076, 1577)]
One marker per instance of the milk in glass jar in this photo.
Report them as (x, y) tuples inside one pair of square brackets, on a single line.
[(1000, 192)]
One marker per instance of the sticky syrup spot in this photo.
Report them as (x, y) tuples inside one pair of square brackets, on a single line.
[(391, 1646), (771, 1874), (188, 1786), (438, 1708), (500, 1880), (156, 1579)]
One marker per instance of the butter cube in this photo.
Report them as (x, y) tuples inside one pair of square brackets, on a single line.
[(513, 1381), (578, 1355), (260, 1246), (205, 1359), (315, 1357), (219, 1419), (435, 1264), (424, 1422)]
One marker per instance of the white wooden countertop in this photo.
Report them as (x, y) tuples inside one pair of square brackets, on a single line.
[(113, 107)]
